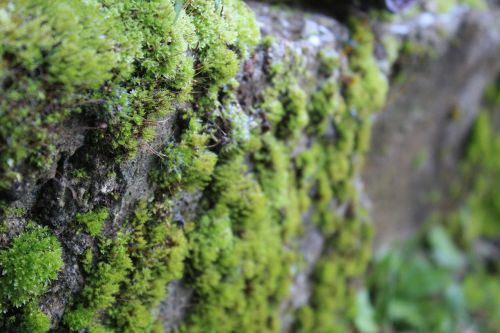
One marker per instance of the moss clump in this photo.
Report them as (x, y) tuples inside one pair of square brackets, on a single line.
[(94, 220), (122, 64), (136, 265), (284, 101), (28, 265), (235, 263), (366, 86), (187, 164), (35, 321), (102, 285), (51, 54), (174, 58), (157, 249)]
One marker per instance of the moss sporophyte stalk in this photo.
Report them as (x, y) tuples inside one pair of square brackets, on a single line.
[(123, 66)]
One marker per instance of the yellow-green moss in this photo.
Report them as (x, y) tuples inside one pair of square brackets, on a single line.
[(189, 163), (93, 221), (258, 178), (236, 260), (51, 55), (102, 285), (28, 265)]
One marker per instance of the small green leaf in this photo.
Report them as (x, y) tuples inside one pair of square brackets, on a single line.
[(365, 316)]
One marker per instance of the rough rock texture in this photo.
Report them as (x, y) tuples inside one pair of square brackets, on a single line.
[(329, 81), (418, 139)]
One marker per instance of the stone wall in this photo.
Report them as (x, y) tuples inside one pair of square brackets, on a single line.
[(199, 168)]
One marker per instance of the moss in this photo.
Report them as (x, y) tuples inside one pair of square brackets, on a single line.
[(157, 250), (234, 261), (367, 86), (49, 57), (327, 170), (102, 285), (35, 321), (189, 164), (127, 60), (261, 171), (79, 173), (444, 6), (328, 62), (94, 220), (28, 266), (137, 265), (174, 59)]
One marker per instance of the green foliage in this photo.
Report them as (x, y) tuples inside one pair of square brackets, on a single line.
[(482, 294), (94, 220), (189, 163), (35, 321), (483, 165), (235, 263), (157, 250), (28, 265), (418, 290), (51, 54), (438, 282), (102, 285)]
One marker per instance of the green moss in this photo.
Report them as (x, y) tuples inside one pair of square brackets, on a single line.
[(35, 321), (238, 253), (367, 87), (157, 250), (327, 170), (102, 285), (79, 173), (28, 266), (121, 63), (333, 300), (49, 57), (94, 220), (188, 164), (137, 265), (236, 258), (328, 62)]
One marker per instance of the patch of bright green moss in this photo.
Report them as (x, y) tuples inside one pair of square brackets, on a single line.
[(327, 170), (188, 163), (102, 285), (157, 249), (237, 254), (94, 220), (366, 87), (236, 258), (122, 64), (35, 321), (51, 54), (128, 281), (28, 265)]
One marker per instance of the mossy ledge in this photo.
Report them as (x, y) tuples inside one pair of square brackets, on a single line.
[(143, 144)]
